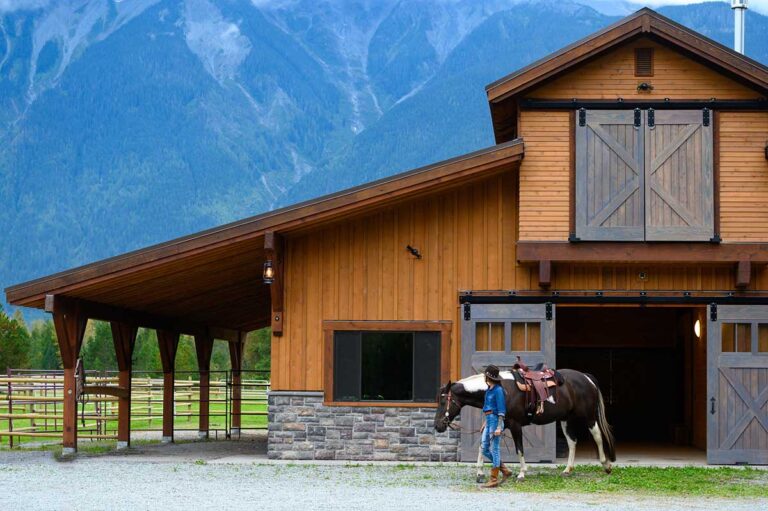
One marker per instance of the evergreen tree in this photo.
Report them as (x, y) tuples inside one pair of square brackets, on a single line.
[(256, 356), (146, 352), (220, 357), (44, 349), (186, 357), (14, 342), (98, 350)]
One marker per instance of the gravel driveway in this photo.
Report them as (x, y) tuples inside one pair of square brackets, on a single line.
[(194, 476)]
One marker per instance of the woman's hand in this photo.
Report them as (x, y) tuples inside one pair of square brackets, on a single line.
[(497, 432)]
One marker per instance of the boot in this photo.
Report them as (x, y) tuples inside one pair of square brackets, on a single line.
[(493, 482), (505, 473)]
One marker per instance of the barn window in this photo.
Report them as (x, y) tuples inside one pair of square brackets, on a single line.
[(736, 338), (385, 365), (489, 336), (643, 61), (644, 175)]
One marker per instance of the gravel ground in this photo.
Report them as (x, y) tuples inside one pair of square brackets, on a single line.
[(229, 475)]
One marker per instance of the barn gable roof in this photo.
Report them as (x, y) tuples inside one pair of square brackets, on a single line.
[(503, 93)]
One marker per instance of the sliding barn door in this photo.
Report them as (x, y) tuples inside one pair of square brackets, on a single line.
[(496, 334), (609, 175), (737, 384), (679, 182)]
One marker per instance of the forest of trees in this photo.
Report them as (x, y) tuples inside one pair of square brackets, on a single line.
[(34, 347)]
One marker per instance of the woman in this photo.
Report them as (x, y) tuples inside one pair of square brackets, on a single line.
[(494, 408)]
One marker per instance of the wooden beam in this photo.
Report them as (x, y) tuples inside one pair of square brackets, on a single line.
[(69, 322), (610, 252), (169, 343), (104, 312), (124, 339), (236, 359), (204, 348), (743, 274), (274, 247), (545, 273)]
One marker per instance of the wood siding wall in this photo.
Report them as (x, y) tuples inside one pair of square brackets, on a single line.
[(545, 175), (613, 76), (743, 176), (361, 270)]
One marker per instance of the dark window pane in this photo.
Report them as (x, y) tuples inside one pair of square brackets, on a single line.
[(346, 366), (426, 366), (387, 366)]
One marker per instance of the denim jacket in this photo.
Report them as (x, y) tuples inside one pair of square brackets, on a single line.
[(495, 401)]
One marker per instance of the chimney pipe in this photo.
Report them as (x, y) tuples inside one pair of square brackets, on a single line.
[(739, 9)]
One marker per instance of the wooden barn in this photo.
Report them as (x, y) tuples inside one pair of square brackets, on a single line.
[(619, 226)]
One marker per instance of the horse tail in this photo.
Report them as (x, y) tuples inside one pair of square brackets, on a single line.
[(602, 423)]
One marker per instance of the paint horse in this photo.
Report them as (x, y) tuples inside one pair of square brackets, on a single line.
[(578, 403)]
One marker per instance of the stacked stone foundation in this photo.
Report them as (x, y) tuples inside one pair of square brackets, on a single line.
[(301, 427)]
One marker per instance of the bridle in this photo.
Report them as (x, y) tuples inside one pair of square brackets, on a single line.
[(447, 420)]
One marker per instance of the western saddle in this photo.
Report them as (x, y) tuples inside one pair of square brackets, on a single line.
[(536, 383)]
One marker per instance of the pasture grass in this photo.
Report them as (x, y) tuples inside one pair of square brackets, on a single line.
[(666, 481)]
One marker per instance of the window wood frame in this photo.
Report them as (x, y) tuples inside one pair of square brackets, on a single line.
[(330, 327)]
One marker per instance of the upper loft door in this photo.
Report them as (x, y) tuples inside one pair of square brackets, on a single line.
[(644, 175), (609, 176), (496, 334), (679, 182), (737, 384)]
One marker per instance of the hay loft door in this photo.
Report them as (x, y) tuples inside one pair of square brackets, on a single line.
[(496, 334), (737, 384)]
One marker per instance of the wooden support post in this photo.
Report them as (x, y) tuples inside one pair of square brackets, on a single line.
[(69, 322), (236, 358), (204, 348), (169, 342), (743, 274), (274, 248), (124, 339), (545, 273)]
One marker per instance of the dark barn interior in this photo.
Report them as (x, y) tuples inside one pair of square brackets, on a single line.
[(649, 364)]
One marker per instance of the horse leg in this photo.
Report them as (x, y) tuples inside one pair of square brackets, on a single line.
[(571, 447), (480, 476), (595, 430), (517, 436)]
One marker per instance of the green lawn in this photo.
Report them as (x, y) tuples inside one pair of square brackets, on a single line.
[(673, 481)]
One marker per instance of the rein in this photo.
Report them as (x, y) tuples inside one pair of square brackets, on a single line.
[(449, 400)]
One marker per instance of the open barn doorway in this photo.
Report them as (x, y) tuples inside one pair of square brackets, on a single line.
[(650, 363)]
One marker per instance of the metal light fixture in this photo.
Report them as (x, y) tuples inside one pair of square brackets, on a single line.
[(414, 251), (269, 272), (697, 328)]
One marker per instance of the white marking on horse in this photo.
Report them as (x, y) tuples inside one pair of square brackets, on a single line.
[(476, 382)]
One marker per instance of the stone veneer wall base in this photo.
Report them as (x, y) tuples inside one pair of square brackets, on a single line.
[(301, 427)]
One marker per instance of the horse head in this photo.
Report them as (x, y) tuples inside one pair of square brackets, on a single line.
[(448, 407)]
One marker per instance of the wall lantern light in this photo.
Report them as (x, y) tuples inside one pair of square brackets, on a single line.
[(269, 272), (697, 328)]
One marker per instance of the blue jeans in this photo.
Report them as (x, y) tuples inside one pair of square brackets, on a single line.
[(491, 444)]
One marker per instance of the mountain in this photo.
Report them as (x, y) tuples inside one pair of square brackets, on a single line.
[(126, 123)]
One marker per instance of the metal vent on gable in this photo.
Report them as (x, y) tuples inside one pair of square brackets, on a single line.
[(643, 61)]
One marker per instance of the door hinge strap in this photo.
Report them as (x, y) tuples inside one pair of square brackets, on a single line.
[(582, 117), (651, 118), (548, 308), (467, 312), (706, 114), (637, 117), (713, 312)]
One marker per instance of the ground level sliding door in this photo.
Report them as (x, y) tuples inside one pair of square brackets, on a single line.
[(496, 334), (737, 384)]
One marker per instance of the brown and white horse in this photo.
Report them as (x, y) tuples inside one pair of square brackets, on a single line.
[(579, 403)]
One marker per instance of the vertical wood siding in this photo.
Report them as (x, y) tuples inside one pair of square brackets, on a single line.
[(545, 175), (743, 176), (360, 270), (613, 75)]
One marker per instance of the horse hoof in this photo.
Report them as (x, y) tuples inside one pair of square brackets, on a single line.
[(608, 470), (566, 473), (520, 478), (480, 479)]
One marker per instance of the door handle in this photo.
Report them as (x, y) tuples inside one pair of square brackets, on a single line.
[(712, 401)]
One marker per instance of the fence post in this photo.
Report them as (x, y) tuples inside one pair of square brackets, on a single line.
[(10, 408)]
